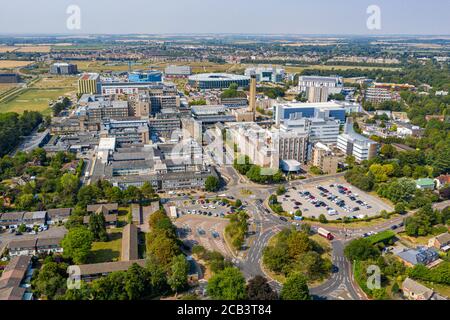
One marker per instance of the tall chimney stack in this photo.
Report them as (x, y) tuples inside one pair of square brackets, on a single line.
[(252, 102)]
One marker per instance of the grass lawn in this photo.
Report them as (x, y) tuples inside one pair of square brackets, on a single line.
[(107, 251), (442, 289), (33, 100), (56, 82), (415, 240)]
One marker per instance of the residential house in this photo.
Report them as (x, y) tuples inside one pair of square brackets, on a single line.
[(22, 247), (425, 184), (442, 180), (105, 208), (440, 242), (49, 245), (36, 218), (11, 219), (15, 279), (58, 215), (413, 290), (412, 257), (33, 247)]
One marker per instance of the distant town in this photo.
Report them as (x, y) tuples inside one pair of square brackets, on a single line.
[(232, 167)]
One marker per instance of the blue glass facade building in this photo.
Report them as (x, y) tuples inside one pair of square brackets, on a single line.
[(145, 76)]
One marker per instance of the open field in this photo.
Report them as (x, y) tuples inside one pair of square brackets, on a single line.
[(7, 86), (294, 69), (25, 49), (33, 100), (55, 82), (9, 64)]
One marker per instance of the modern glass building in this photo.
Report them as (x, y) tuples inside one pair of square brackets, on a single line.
[(145, 76), (217, 80)]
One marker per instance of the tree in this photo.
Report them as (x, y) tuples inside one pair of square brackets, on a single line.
[(50, 280), (295, 288), (178, 273), (147, 190), (69, 183), (298, 243), (281, 190), (360, 249), (388, 151), (136, 282), (97, 227), (212, 184), (77, 244), (238, 203), (228, 284), (322, 218), (400, 208), (258, 289)]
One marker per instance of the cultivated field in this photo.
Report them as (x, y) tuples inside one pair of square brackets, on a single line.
[(6, 86), (9, 64), (25, 49)]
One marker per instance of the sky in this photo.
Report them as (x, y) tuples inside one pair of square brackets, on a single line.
[(225, 16)]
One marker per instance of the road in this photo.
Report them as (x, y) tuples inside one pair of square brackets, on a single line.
[(341, 284)]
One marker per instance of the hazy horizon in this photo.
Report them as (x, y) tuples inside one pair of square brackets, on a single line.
[(249, 17)]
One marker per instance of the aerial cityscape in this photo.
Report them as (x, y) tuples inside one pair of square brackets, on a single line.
[(181, 165)]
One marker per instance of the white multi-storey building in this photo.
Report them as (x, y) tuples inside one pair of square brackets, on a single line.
[(354, 144), (320, 128), (334, 84)]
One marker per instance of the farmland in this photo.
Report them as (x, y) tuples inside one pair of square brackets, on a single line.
[(10, 64)]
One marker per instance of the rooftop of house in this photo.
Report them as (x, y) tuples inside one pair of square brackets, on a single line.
[(106, 267), (129, 243), (443, 178), (443, 238), (108, 206), (59, 212), (417, 288)]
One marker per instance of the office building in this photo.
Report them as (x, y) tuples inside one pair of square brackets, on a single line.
[(266, 74), (145, 76), (325, 158), (291, 145), (217, 80), (62, 68), (317, 94), (320, 128), (380, 95), (9, 78), (165, 166), (89, 83), (254, 142), (288, 110), (177, 71), (103, 109), (334, 84), (354, 144)]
